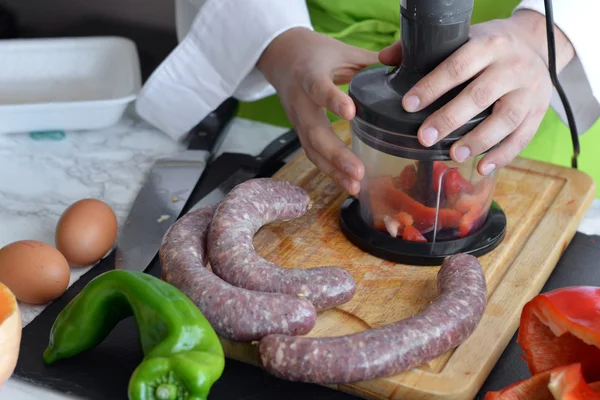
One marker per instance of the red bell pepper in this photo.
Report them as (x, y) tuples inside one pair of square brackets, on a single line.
[(471, 220), (567, 383), (562, 327), (384, 197), (412, 234), (405, 219), (560, 383), (380, 209), (423, 216), (480, 196), (380, 184), (407, 179), (452, 181)]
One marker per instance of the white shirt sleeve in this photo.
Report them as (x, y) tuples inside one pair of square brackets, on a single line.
[(220, 44), (577, 19)]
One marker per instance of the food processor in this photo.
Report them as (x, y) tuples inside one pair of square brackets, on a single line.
[(416, 205)]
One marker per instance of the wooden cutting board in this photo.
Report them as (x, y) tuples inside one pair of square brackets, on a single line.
[(544, 204)]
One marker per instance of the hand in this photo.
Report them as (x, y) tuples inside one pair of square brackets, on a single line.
[(508, 59), (305, 67)]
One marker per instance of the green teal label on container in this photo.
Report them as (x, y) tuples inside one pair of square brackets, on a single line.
[(47, 135)]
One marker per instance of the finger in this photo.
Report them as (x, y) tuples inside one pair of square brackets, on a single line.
[(491, 85), (351, 186), (461, 66), (325, 149), (508, 114), (331, 148), (325, 93), (362, 57), (391, 55), (513, 145)]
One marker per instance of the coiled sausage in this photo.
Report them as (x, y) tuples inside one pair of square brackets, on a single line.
[(244, 210), (443, 325), (235, 313)]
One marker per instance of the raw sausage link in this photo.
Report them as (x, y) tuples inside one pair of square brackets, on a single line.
[(244, 210), (234, 313), (443, 325)]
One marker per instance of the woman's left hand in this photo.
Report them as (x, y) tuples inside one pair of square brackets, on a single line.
[(507, 58)]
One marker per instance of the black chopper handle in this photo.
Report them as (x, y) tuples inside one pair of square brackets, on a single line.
[(432, 30)]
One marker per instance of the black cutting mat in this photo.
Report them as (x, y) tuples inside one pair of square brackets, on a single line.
[(103, 373)]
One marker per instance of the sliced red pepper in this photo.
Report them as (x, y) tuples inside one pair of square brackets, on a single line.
[(561, 383), (533, 388), (412, 234), (380, 184), (562, 327), (405, 219), (424, 217), (384, 196), (452, 181), (567, 383), (480, 197), (380, 207), (471, 220), (407, 179)]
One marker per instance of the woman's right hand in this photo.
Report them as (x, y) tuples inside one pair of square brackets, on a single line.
[(304, 67)]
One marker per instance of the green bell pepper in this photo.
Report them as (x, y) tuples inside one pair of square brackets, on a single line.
[(183, 356)]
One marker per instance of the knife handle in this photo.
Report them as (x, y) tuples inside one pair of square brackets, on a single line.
[(207, 134), (275, 151)]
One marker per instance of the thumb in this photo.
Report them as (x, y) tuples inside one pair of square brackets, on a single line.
[(391, 55)]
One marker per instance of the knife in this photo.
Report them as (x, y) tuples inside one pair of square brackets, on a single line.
[(168, 186), (249, 167)]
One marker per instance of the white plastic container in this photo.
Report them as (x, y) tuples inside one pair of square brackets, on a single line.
[(66, 83)]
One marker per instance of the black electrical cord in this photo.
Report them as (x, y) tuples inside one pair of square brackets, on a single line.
[(556, 83)]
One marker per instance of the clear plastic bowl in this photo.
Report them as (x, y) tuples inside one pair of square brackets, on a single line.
[(415, 198)]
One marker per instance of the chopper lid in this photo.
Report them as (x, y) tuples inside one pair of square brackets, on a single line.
[(386, 126), (431, 31), (379, 103)]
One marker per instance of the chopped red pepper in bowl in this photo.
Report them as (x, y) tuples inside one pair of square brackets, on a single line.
[(394, 203), (413, 235), (453, 183)]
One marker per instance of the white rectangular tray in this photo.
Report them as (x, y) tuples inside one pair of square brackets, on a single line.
[(66, 83)]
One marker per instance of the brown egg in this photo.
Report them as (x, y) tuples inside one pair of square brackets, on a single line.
[(86, 232), (35, 272)]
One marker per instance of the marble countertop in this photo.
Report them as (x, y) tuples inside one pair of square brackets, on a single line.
[(43, 176)]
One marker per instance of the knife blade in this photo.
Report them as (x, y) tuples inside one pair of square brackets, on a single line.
[(166, 190), (250, 167)]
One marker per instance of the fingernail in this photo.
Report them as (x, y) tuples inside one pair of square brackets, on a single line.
[(429, 136), (411, 103), (462, 153), (340, 110), (488, 168), (346, 185), (350, 170)]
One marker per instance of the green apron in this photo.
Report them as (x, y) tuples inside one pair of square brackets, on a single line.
[(375, 25)]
